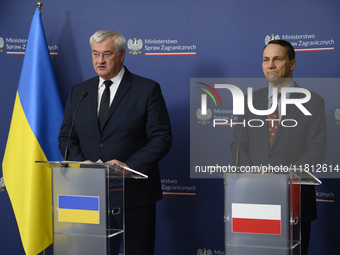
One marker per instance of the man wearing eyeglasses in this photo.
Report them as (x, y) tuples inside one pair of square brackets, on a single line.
[(134, 131)]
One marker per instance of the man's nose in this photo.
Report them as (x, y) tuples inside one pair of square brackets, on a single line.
[(101, 58), (271, 64)]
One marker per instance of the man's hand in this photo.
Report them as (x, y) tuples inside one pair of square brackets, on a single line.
[(115, 161)]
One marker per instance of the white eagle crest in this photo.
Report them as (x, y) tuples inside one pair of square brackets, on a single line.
[(1, 44), (204, 119), (2, 184), (337, 116), (204, 252), (268, 38), (135, 45)]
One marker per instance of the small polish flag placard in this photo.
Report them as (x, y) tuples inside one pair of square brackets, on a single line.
[(256, 218)]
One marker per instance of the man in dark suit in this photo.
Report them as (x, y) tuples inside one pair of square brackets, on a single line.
[(134, 132), (304, 144)]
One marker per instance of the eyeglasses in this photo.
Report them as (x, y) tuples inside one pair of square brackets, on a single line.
[(105, 55)]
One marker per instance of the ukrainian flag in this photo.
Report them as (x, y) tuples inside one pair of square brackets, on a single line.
[(78, 209), (33, 136)]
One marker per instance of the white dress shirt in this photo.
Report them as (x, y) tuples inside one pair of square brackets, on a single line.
[(113, 88)]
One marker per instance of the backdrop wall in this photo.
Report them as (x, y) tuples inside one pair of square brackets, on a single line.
[(181, 40)]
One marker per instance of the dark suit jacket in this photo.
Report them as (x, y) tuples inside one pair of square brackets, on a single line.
[(300, 145), (137, 131)]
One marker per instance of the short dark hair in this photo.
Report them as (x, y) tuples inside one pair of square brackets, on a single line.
[(287, 45)]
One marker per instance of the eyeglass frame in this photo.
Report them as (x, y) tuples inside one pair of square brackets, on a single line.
[(106, 55)]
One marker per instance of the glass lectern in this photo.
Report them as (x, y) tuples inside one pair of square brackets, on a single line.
[(262, 212), (88, 206)]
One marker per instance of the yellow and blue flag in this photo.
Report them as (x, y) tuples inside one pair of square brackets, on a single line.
[(78, 209), (33, 136)]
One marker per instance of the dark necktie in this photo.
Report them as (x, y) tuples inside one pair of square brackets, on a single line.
[(104, 104), (273, 125)]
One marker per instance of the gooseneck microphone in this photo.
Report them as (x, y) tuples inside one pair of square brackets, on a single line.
[(83, 95)]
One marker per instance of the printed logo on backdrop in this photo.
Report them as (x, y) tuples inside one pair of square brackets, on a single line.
[(160, 47), (2, 184), (173, 187), (17, 46), (209, 252), (135, 46), (304, 42), (337, 116), (168, 47), (1, 44), (204, 252), (268, 38), (325, 197)]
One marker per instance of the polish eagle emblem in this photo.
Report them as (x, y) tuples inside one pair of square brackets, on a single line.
[(2, 184), (204, 252), (272, 37), (135, 46), (337, 116), (2, 43), (203, 118)]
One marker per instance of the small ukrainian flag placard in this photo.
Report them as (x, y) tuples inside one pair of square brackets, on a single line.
[(78, 209)]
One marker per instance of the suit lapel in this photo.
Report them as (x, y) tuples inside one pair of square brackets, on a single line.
[(93, 101)]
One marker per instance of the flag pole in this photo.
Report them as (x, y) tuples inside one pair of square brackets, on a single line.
[(39, 4)]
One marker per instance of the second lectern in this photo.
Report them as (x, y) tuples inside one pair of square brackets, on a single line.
[(262, 212)]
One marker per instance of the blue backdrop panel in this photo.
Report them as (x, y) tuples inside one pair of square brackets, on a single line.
[(208, 39)]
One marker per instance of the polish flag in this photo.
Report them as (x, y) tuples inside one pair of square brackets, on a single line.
[(256, 218)]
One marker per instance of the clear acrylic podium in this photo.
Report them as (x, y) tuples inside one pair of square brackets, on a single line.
[(262, 212), (88, 207)]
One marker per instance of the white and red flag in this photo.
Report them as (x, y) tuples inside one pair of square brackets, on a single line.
[(256, 218)]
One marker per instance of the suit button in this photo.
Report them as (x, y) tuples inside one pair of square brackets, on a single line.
[(101, 145)]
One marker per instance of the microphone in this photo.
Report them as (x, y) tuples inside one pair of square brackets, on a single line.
[(83, 95)]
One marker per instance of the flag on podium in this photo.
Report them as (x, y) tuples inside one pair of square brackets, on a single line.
[(33, 136), (256, 218)]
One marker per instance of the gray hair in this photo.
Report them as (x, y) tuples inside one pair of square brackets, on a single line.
[(102, 35)]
